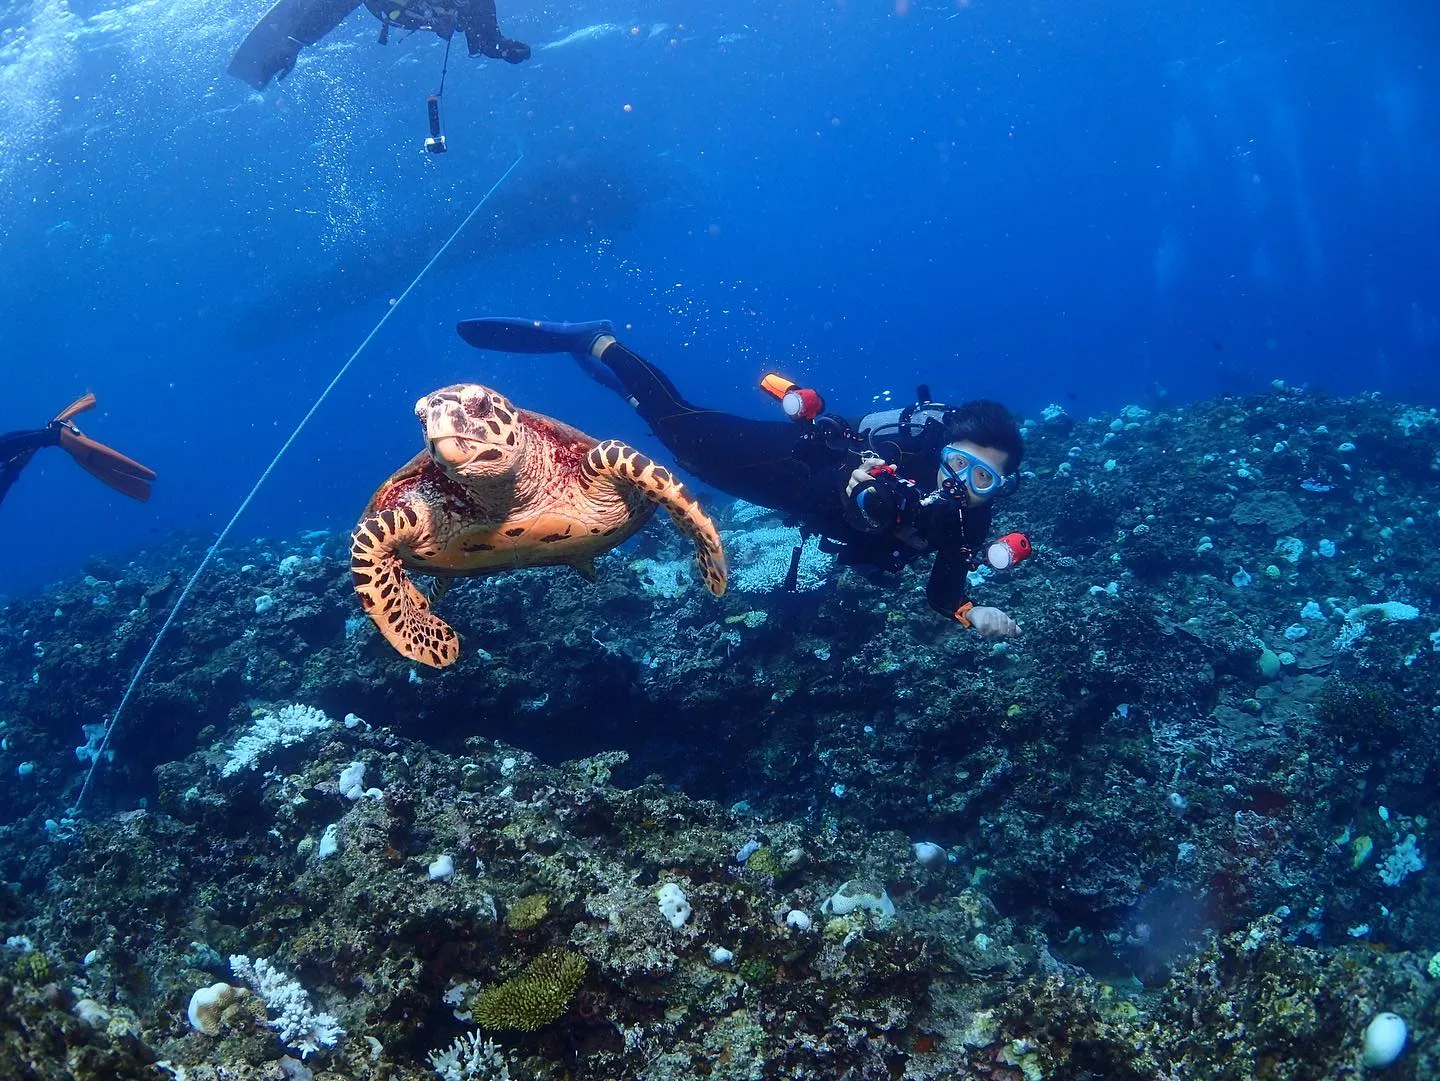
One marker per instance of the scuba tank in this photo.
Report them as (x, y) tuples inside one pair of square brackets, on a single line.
[(893, 433)]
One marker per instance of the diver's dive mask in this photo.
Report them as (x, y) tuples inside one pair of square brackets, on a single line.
[(964, 472)]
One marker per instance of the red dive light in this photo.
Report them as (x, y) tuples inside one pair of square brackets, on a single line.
[(1009, 551), (799, 403)]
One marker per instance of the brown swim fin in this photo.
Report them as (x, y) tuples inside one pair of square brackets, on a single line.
[(125, 475), (78, 406)]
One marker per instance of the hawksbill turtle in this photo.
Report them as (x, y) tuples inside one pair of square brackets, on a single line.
[(496, 488)]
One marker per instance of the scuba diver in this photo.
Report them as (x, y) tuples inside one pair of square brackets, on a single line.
[(121, 473), (272, 47), (880, 493)]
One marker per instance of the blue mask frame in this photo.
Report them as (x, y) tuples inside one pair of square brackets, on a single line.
[(960, 468)]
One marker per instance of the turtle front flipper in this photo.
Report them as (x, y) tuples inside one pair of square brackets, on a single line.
[(386, 593), (624, 464)]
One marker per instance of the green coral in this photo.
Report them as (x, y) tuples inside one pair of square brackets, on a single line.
[(758, 970), (763, 861), (534, 998), (527, 912), (838, 927), (32, 967)]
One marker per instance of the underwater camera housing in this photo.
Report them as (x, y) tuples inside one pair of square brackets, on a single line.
[(436, 141)]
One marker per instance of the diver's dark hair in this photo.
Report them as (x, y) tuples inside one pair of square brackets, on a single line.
[(990, 425)]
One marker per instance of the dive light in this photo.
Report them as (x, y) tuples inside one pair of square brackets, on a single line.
[(799, 403), (1009, 551)]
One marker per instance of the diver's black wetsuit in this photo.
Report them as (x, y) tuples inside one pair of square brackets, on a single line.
[(16, 450), (767, 463)]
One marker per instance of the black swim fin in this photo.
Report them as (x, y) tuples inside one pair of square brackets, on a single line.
[(508, 335)]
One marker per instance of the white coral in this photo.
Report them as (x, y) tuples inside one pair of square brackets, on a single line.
[(759, 559), (470, 1058), (292, 724), (299, 1024)]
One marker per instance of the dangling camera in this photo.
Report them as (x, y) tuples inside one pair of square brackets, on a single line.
[(436, 142)]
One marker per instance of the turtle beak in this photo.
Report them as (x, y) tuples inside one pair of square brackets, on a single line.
[(451, 449), (458, 444), (444, 419)]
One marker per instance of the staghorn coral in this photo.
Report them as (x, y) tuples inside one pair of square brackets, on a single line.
[(527, 912), (537, 996)]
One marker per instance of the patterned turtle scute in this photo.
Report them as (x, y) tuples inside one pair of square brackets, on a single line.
[(499, 488)]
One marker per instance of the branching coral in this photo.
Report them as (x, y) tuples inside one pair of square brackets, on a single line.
[(535, 997)]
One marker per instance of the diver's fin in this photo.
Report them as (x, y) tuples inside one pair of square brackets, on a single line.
[(532, 335), (585, 568), (125, 475), (75, 408)]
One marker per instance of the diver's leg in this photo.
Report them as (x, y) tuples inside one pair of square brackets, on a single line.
[(482, 33), (271, 48), (753, 460), (481, 26), (642, 384), (16, 450), (10, 473), (14, 444)]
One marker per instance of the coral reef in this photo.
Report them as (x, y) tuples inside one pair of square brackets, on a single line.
[(1177, 828), (534, 998)]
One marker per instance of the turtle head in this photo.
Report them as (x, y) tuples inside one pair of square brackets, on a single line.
[(472, 431)]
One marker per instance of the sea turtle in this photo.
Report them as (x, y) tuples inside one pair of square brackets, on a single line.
[(499, 487)]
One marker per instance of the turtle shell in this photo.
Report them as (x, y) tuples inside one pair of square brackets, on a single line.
[(546, 512)]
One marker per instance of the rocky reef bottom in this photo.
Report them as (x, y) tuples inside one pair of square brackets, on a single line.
[(331, 900), (1178, 828)]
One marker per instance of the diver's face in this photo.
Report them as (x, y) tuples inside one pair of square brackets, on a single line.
[(982, 460)]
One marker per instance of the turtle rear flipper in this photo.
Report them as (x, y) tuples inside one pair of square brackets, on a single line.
[(388, 596), (616, 461)]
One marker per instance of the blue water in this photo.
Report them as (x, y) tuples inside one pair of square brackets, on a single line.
[(1054, 201)]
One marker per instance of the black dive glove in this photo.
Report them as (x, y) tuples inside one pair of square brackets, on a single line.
[(507, 49), (885, 501), (512, 51)]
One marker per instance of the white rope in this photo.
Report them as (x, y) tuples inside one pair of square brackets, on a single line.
[(245, 503)]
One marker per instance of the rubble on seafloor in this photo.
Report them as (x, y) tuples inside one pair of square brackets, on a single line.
[(1178, 828)]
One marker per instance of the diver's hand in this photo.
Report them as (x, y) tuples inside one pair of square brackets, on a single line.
[(992, 623), (861, 474)]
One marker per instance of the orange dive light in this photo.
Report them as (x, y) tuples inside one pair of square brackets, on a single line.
[(799, 403)]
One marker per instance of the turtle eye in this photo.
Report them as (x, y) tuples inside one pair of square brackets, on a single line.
[(478, 405)]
